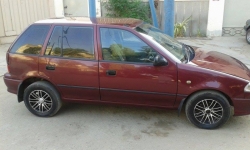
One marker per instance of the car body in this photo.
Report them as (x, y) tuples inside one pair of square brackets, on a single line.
[(247, 29), (127, 62)]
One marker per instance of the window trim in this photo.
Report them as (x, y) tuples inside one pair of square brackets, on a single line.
[(72, 58), (128, 62)]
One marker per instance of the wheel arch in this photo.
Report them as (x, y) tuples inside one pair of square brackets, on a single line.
[(184, 101), (214, 90), (25, 83)]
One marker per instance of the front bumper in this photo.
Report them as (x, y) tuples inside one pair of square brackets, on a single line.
[(12, 84), (241, 106)]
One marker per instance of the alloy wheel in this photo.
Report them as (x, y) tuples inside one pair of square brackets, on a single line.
[(208, 111), (40, 101)]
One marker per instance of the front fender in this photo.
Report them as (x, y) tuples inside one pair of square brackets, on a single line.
[(206, 79)]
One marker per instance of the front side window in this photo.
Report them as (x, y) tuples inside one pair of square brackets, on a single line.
[(31, 41), (122, 45), (71, 42)]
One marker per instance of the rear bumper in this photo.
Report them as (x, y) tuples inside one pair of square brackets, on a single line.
[(12, 84), (241, 107)]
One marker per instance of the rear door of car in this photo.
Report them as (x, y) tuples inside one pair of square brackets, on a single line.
[(69, 62)]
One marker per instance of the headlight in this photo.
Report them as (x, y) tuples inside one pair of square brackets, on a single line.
[(247, 88)]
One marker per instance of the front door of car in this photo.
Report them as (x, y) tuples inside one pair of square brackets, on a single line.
[(127, 73), (69, 62)]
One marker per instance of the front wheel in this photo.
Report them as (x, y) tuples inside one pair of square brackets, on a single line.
[(248, 36), (208, 109), (42, 99)]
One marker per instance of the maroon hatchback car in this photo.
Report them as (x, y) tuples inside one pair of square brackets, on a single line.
[(127, 62)]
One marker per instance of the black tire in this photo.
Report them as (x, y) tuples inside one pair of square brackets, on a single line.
[(248, 36), (42, 99), (208, 109)]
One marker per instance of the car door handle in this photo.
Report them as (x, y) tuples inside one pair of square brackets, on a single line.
[(111, 72), (50, 67)]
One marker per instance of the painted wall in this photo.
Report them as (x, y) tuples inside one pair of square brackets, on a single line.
[(79, 8), (215, 17), (76, 7), (236, 13), (16, 15), (1, 23)]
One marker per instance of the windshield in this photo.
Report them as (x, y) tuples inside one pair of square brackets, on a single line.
[(169, 43)]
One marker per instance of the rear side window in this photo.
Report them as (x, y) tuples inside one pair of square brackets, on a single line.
[(31, 41), (71, 42), (78, 42)]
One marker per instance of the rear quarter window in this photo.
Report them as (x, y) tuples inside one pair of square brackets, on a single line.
[(31, 41)]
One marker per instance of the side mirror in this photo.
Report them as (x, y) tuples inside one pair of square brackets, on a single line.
[(160, 61)]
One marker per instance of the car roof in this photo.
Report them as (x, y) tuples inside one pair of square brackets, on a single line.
[(130, 22)]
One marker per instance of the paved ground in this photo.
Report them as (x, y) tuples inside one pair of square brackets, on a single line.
[(92, 127)]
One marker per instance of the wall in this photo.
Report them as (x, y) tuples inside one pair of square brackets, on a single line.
[(215, 17), (198, 9), (1, 22), (236, 13), (236, 16), (16, 15), (76, 7), (79, 8)]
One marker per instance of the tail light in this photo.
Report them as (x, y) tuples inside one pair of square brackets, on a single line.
[(8, 61)]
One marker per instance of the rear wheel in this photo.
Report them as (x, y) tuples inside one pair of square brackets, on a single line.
[(208, 109), (42, 99), (248, 36)]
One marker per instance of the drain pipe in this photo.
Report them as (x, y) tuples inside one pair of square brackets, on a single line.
[(92, 9), (153, 13), (169, 17)]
